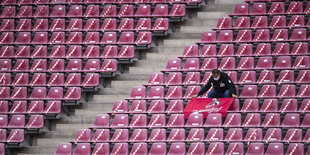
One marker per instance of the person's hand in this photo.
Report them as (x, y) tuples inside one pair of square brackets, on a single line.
[(194, 96), (234, 95)]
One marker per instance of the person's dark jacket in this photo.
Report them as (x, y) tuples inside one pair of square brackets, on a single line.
[(220, 85)]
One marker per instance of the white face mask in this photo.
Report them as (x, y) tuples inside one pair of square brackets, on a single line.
[(216, 79)]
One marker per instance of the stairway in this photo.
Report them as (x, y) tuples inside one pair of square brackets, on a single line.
[(153, 60)]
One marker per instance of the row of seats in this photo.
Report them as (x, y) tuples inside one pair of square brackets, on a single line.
[(248, 91), (40, 93), (193, 135), (108, 11), (58, 65), (196, 120), (246, 77), (120, 2), (180, 148), (55, 80), (34, 107), (177, 106), (245, 63), (91, 38), (259, 22), (262, 49), (19, 122), (109, 24), (73, 52), (261, 35), (276, 8)]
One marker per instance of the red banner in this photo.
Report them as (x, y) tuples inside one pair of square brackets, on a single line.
[(207, 105)]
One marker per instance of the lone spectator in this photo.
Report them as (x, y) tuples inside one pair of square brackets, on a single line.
[(223, 87)]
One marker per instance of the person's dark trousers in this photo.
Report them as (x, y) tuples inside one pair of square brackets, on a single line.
[(216, 94)]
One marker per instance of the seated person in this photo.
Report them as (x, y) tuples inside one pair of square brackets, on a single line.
[(223, 87)]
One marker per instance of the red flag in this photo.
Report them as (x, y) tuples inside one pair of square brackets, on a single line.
[(207, 105)]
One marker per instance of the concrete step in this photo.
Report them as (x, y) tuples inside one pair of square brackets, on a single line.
[(141, 70), (53, 142), (195, 29), (71, 127), (127, 84), (166, 56), (179, 42), (211, 15), (40, 150), (108, 98)]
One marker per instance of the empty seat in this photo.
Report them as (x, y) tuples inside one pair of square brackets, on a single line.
[(232, 120), (289, 105), (139, 148), (280, 35), (261, 35), (176, 135), (126, 11), (211, 63), (109, 38), (109, 11), (42, 11), (177, 10), (35, 107), (137, 92), (235, 148), (174, 92), (176, 120), (234, 134), (92, 25), (52, 107), (258, 9), (75, 11), (64, 148), (191, 64), (109, 52), (277, 8), (8, 11), (282, 49), (224, 23), (296, 21), (255, 148), (252, 120), (228, 63), (102, 121), (241, 9), (295, 148), (244, 36), (250, 105), (24, 25), (119, 121), (92, 11), (295, 8), (275, 148), (208, 37), (287, 91), (161, 10), (17, 121), (144, 24), (126, 24), (216, 148), (225, 36), (4, 93), (126, 38), (254, 134), (157, 120), (175, 106), (20, 79), (143, 11), (298, 35), (138, 121), (157, 135), (278, 22), (174, 65), (156, 79), (156, 92), (144, 38), (35, 122), (246, 63), (269, 105), (120, 135), (271, 120), (109, 66), (304, 107), (101, 148), (18, 107), (16, 136), (7, 51), (263, 49), (101, 135), (293, 135), (301, 62), (300, 48), (158, 148), (213, 120), (91, 38), (82, 148), (23, 38), (120, 148), (161, 24), (57, 38), (75, 38), (268, 91), (177, 148), (139, 135), (196, 148), (195, 134), (25, 11), (249, 91), (55, 93), (291, 120), (58, 11)]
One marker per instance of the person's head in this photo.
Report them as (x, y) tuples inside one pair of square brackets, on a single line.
[(216, 74)]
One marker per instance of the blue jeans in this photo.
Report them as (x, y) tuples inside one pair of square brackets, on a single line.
[(215, 94)]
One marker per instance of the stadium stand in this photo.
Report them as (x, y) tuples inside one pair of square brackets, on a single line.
[(263, 46), (55, 53)]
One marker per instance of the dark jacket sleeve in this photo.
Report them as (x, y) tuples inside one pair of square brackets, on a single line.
[(205, 88), (231, 86)]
